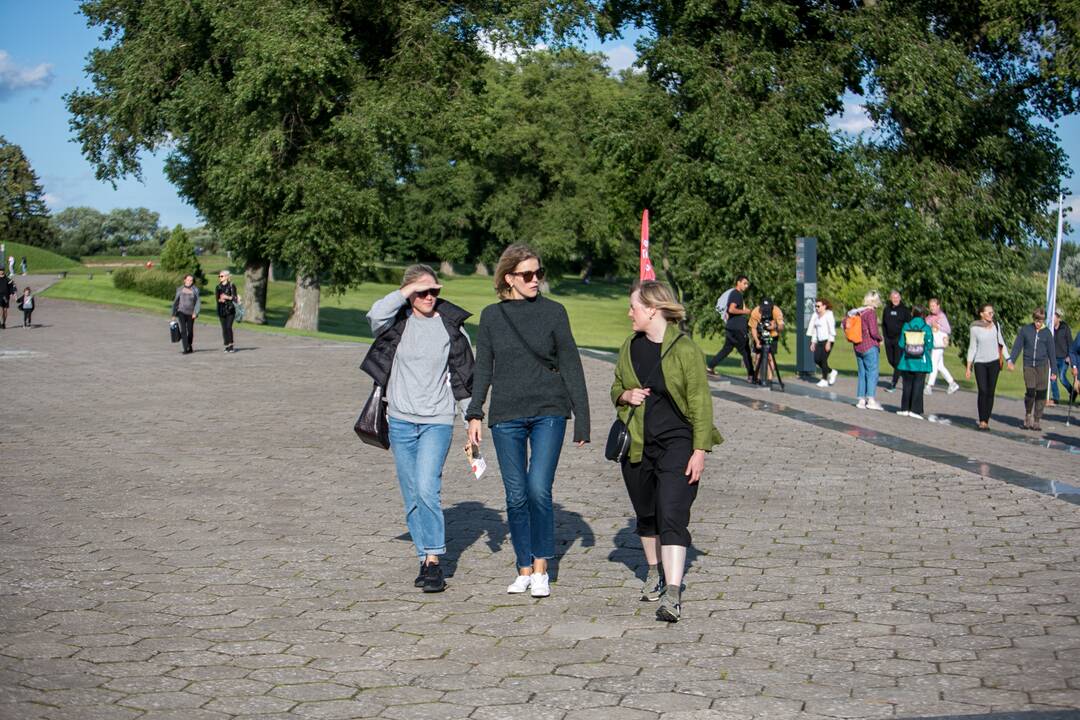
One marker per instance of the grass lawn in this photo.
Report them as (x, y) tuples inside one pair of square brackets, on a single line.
[(38, 260), (597, 314)]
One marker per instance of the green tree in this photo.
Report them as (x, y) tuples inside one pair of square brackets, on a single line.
[(24, 217), (127, 227), (81, 231), (178, 255), (288, 119)]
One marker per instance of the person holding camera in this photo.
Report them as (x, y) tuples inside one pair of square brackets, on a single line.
[(660, 367), (766, 323), (423, 357)]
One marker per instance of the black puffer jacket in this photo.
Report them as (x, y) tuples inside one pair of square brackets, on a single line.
[(380, 357)]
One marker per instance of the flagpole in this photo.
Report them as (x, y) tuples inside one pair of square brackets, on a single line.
[(1051, 280)]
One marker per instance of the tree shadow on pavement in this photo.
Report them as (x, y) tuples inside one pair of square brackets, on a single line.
[(628, 551)]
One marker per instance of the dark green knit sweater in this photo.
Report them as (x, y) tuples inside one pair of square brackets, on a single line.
[(520, 385)]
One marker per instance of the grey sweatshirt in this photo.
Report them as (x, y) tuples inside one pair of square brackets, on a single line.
[(419, 390), (186, 302), (984, 343)]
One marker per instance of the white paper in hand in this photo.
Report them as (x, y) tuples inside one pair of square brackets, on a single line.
[(477, 463)]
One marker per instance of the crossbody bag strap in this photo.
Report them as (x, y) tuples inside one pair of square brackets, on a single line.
[(543, 361), (652, 372)]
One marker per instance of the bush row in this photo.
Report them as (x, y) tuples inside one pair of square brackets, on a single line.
[(153, 282)]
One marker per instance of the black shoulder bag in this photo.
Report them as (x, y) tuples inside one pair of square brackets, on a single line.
[(371, 427), (618, 439)]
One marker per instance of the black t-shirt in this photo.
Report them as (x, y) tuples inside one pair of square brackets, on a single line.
[(7, 289), (736, 322), (893, 318), (225, 308), (663, 421)]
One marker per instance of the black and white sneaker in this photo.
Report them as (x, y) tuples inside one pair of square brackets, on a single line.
[(433, 578), (670, 609), (420, 577)]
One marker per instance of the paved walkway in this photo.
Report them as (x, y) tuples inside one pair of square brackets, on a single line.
[(202, 537)]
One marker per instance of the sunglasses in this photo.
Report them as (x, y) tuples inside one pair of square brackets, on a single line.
[(528, 275), (433, 292)]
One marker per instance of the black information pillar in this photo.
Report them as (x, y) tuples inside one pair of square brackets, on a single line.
[(805, 294)]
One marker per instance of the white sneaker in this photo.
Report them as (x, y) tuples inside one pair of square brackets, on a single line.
[(832, 376), (861, 404), (521, 584), (823, 383), (902, 413), (873, 404), (915, 415), (540, 586), (952, 388)]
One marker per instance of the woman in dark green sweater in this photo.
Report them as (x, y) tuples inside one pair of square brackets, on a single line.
[(526, 354), (659, 378)]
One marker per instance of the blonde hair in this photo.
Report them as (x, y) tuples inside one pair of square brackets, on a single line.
[(417, 271), (872, 299), (658, 296), (511, 257)]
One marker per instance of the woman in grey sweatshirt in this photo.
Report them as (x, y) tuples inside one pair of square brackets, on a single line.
[(423, 358), (985, 350)]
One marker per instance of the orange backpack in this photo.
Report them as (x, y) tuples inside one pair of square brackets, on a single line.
[(853, 328)]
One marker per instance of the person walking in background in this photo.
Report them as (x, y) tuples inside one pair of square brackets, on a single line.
[(939, 323), (736, 332), (423, 358), (526, 355), (660, 368), (23, 264), (893, 317), (7, 291), (916, 341), (185, 309), (1062, 342), (986, 349), (227, 298), (867, 349), (822, 334), (26, 304), (11, 266), (1035, 346)]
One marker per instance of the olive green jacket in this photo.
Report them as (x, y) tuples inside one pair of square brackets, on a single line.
[(684, 376)]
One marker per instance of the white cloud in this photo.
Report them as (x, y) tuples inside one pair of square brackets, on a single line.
[(53, 201), (853, 120), (14, 78), (620, 57), (504, 51)]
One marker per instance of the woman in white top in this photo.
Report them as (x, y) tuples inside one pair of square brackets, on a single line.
[(822, 334), (985, 355)]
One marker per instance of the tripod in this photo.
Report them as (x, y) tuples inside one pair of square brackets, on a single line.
[(767, 361)]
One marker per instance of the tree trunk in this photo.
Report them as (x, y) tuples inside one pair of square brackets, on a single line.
[(481, 268), (305, 307), (446, 268), (255, 276)]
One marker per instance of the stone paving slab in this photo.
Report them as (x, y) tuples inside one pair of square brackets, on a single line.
[(203, 537)]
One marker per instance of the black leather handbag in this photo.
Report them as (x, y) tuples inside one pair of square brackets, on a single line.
[(371, 426), (618, 439)]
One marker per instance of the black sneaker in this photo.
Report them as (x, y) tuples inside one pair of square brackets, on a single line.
[(419, 581), (433, 578)]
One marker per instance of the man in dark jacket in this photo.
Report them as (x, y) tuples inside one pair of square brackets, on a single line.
[(893, 317), (1062, 343)]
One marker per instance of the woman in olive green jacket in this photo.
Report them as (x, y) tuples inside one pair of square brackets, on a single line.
[(662, 394)]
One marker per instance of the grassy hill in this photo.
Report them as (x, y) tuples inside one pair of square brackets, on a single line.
[(38, 260)]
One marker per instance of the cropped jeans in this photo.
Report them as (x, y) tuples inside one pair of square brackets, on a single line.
[(867, 364), (419, 454), (527, 479)]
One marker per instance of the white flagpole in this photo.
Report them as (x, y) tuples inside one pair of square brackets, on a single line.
[(1051, 280)]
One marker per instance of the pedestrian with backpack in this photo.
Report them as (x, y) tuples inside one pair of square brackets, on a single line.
[(861, 330), (916, 343), (732, 307)]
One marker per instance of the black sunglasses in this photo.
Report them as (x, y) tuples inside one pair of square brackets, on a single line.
[(528, 275), (433, 292)]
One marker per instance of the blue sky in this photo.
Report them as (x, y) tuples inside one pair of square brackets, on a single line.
[(43, 48)]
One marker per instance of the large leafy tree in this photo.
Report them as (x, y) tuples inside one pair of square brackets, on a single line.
[(944, 198), (287, 120), (24, 217)]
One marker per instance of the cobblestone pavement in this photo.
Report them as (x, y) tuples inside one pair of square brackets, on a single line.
[(202, 537)]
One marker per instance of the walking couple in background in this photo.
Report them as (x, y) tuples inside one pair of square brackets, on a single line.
[(187, 304)]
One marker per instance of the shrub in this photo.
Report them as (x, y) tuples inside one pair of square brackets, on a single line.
[(178, 255), (154, 282), (845, 288), (124, 278)]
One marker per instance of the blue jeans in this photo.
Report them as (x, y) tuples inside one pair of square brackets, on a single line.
[(528, 480), (419, 454), (1061, 368), (867, 363)]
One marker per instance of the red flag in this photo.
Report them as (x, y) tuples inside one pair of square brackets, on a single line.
[(646, 267)]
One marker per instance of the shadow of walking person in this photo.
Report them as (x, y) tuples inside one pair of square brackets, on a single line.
[(628, 551), (569, 527), (467, 522)]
